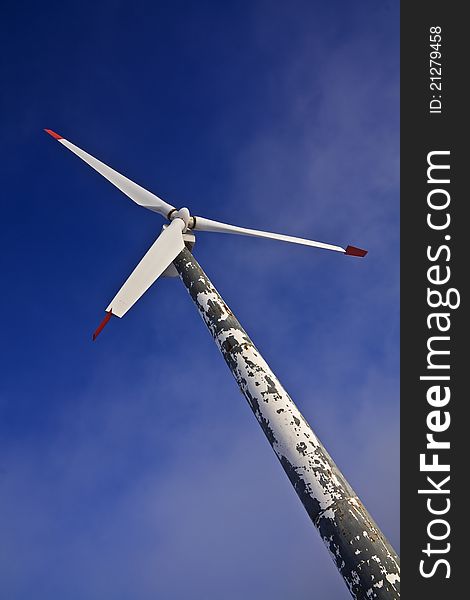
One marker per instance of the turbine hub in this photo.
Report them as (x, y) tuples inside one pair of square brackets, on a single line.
[(184, 215)]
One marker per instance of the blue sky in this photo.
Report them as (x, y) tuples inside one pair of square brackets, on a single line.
[(132, 467)]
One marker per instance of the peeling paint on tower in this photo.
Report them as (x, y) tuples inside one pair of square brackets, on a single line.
[(363, 556)]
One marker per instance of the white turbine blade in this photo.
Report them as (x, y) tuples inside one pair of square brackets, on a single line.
[(202, 224), (160, 255), (135, 192)]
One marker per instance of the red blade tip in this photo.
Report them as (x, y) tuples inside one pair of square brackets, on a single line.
[(100, 327), (353, 251), (55, 135)]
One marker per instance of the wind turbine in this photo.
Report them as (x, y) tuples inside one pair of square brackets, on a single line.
[(362, 554)]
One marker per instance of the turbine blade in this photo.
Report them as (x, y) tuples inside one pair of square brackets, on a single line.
[(134, 191), (202, 224), (160, 255)]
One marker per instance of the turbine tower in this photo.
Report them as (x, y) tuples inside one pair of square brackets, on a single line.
[(362, 554)]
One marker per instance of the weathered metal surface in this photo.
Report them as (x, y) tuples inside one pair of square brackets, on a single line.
[(363, 556)]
